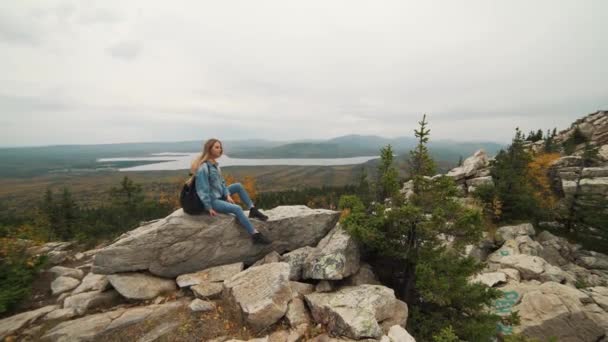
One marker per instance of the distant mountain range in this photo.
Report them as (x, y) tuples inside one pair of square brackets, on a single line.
[(28, 161)]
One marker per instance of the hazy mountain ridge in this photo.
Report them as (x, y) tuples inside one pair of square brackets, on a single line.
[(29, 161)]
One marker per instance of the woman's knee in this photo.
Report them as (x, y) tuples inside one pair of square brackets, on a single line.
[(236, 186)]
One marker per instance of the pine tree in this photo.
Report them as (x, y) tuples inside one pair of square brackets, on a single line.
[(421, 163), (405, 242), (363, 188), (388, 183), (512, 183)]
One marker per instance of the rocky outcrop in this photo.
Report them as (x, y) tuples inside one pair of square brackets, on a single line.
[(354, 311), (181, 243), (474, 172), (594, 127), (92, 327), (140, 286), (336, 257), (553, 310), (260, 293), (11, 324)]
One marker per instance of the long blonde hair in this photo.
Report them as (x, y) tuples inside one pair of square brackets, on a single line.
[(204, 156)]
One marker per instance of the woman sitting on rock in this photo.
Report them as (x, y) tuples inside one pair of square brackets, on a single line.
[(215, 195)]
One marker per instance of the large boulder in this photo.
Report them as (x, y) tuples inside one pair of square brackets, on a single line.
[(63, 284), (353, 311), (182, 243), (90, 300), (92, 327), (93, 282), (470, 166), (511, 232), (552, 309), (336, 257), (11, 324), (140, 286), (260, 294), (210, 275)]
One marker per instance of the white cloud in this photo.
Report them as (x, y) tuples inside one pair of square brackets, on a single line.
[(144, 70)]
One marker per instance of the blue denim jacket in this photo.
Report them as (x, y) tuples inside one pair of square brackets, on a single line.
[(210, 184)]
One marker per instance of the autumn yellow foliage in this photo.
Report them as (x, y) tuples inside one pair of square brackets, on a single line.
[(538, 171), (248, 183)]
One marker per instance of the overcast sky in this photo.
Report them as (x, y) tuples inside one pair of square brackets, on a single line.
[(126, 71)]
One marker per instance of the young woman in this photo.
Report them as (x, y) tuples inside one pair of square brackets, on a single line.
[(215, 195)]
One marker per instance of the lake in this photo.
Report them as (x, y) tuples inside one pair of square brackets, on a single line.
[(181, 161)]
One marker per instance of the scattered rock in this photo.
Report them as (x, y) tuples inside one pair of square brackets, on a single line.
[(353, 311), (207, 290), (213, 274), (324, 286), (260, 293), (140, 286), (268, 258), (511, 232), (63, 284), (11, 324), (60, 314), (60, 271), (296, 260), (92, 327), (297, 313), (202, 305), (89, 300), (336, 257), (93, 282)]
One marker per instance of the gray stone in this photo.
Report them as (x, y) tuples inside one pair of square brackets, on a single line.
[(511, 232), (354, 311), (60, 315), (213, 274), (140, 286), (398, 334), (336, 257), (199, 305), (552, 309), (93, 282), (597, 185), (268, 258), (470, 166), (297, 313), (63, 284), (159, 331), (365, 275), (11, 324), (324, 286), (300, 289), (60, 271), (89, 300), (207, 290), (92, 327), (397, 316), (260, 293), (490, 279), (182, 243), (296, 260), (593, 172)]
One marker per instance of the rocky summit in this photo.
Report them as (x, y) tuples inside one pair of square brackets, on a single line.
[(181, 243)]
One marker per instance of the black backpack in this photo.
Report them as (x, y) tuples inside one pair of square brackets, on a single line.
[(189, 200)]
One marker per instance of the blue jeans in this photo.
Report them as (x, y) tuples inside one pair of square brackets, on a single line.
[(225, 207)]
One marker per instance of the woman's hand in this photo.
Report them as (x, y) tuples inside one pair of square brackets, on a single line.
[(229, 199), (212, 212)]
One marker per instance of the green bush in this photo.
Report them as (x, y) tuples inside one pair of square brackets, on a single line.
[(17, 271)]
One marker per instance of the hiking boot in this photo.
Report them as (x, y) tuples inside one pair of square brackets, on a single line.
[(261, 239), (255, 213)]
